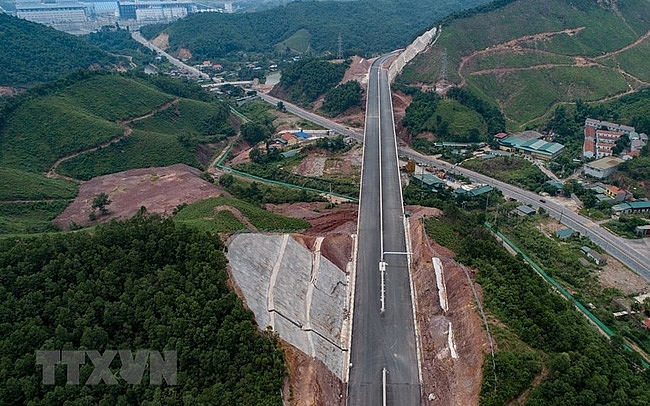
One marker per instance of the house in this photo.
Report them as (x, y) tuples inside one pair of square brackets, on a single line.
[(564, 233), (535, 147), (617, 194), (428, 180), (602, 168), (480, 190), (606, 125), (472, 191), (642, 230), (593, 255), (637, 141), (557, 185), (290, 153), (290, 138), (526, 210), (302, 134), (638, 206), (601, 136)]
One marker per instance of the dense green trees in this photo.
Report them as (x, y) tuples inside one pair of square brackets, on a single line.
[(254, 132), (424, 104), (118, 41), (342, 97), (365, 27), (33, 53), (495, 120), (100, 202), (304, 81), (461, 117), (584, 367), (143, 284)]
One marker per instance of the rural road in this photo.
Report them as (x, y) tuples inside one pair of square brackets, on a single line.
[(634, 255)]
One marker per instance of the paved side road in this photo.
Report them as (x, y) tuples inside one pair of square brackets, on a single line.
[(179, 64), (633, 254), (623, 250)]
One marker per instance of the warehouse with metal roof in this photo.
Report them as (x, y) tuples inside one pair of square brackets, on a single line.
[(536, 147)]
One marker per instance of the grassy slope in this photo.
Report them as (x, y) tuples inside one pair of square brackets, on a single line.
[(298, 42), (21, 185), (20, 215), (552, 74), (184, 118), (139, 150), (30, 217), (460, 118), (204, 215), (79, 117)]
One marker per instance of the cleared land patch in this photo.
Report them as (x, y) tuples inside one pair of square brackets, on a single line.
[(160, 190)]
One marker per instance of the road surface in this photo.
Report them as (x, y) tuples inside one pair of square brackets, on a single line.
[(179, 64), (383, 354), (617, 247)]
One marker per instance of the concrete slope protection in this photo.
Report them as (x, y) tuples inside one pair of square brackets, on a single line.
[(301, 295), (383, 358)]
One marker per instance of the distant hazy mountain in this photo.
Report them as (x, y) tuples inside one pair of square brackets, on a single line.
[(33, 53)]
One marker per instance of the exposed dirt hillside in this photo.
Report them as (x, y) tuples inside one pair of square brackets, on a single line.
[(160, 190)]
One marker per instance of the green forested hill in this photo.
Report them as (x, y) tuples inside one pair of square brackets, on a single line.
[(94, 110), (33, 53), (365, 26), (304, 81), (147, 284), (72, 117), (529, 55)]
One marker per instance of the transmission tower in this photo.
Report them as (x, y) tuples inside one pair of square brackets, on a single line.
[(339, 55), (443, 68)]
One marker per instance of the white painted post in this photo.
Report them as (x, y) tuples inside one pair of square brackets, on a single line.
[(382, 271), (384, 387)]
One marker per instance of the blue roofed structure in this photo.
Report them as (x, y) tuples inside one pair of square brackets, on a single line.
[(639, 206), (302, 134), (428, 179), (526, 210), (554, 183), (537, 148), (564, 233)]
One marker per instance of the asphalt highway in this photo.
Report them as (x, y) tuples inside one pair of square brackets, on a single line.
[(383, 354)]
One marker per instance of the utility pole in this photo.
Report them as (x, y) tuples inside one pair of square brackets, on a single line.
[(339, 54), (443, 69)]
